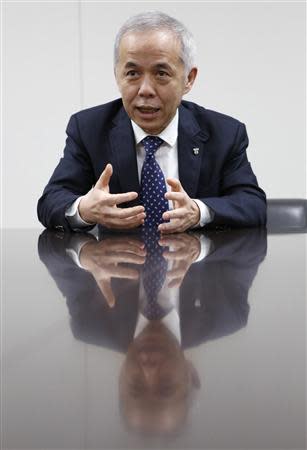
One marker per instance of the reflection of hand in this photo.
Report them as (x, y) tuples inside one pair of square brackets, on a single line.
[(185, 249), (185, 213), (99, 206), (102, 259)]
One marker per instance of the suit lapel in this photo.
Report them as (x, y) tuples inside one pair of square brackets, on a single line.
[(124, 153), (191, 139)]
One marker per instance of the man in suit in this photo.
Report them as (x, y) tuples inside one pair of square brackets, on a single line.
[(120, 156)]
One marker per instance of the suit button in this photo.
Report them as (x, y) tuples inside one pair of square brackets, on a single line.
[(59, 227)]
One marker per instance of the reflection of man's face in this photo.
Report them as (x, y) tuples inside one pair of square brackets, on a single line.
[(156, 381), (151, 78)]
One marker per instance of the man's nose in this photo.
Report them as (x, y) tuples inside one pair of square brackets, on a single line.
[(150, 374), (150, 363), (147, 88)]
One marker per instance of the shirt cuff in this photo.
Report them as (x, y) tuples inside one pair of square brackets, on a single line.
[(206, 214), (75, 249), (74, 218), (206, 247)]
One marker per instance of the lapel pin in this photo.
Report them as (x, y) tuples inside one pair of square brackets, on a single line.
[(196, 150)]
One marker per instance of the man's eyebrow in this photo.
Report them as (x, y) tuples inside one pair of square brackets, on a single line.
[(163, 66), (133, 65), (130, 64)]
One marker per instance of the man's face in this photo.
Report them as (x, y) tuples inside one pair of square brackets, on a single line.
[(156, 381), (151, 78)]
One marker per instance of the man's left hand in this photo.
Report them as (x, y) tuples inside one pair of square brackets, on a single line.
[(185, 213), (183, 250)]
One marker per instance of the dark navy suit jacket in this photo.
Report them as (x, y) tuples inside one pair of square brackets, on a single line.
[(218, 173)]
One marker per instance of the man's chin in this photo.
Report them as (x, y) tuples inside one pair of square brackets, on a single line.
[(150, 128), (151, 125)]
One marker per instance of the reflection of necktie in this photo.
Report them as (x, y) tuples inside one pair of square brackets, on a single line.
[(154, 274), (153, 185)]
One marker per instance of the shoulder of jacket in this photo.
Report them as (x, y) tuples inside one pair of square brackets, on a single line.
[(107, 109), (210, 116)]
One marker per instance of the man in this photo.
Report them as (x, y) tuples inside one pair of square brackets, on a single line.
[(119, 155)]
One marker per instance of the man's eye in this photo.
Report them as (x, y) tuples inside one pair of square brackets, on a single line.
[(162, 74), (131, 73)]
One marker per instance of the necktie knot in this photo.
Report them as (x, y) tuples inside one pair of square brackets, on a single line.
[(151, 144)]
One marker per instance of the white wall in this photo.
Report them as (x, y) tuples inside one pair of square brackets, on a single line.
[(57, 59)]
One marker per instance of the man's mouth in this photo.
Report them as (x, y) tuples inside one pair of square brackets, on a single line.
[(147, 110)]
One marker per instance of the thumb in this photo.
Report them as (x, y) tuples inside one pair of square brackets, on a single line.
[(106, 290), (174, 184), (104, 179)]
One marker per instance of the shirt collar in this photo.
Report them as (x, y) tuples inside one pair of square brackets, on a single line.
[(169, 134)]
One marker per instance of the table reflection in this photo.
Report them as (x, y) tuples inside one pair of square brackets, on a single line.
[(200, 283)]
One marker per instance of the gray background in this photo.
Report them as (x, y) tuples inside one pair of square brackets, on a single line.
[(57, 59)]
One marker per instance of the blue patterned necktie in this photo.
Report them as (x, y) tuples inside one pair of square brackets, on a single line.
[(153, 185), (154, 275)]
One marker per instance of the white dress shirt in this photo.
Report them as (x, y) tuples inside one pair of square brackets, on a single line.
[(166, 157), (171, 322)]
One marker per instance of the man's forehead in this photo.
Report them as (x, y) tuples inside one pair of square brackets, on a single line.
[(151, 56), (149, 34), (154, 41)]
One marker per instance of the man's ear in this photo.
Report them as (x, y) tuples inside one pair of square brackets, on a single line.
[(190, 80)]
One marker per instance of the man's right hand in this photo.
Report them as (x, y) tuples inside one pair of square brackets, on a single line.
[(99, 206)]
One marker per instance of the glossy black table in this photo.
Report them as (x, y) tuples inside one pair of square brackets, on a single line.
[(83, 368)]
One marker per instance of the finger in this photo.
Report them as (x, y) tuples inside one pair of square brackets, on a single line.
[(167, 242), (177, 213), (117, 199), (124, 257), (106, 290), (175, 283), (176, 273), (123, 243), (175, 276), (123, 213), (175, 184), (136, 246), (175, 226), (117, 271), (177, 255), (177, 241), (172, 245), (104, 179), (175, 196), (124, 224)]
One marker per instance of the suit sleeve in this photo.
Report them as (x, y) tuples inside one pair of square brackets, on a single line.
[(241, 202), (73, 177)]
